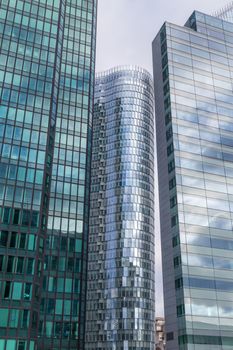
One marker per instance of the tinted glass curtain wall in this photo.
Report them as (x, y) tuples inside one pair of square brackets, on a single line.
[(193, 70), (226, 12), (120, 296), (47, 60)]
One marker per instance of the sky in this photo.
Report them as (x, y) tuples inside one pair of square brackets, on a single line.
[(126, 29)]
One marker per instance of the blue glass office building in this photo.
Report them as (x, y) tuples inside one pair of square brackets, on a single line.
[(120, 296), (47, 60), (193, 71), (226, 12)]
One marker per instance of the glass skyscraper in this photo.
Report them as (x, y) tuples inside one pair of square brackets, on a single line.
[(120, 296), (47, 60), (226, 13), (193, 71)]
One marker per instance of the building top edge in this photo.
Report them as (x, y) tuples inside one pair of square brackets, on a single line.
[(125, 68), (223, 12)]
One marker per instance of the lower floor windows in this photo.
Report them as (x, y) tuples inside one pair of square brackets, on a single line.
[(205, 340), (13, 344)]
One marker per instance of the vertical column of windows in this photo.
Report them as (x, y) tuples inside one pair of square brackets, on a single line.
[(26, 71), (62, 325), (171, 161)]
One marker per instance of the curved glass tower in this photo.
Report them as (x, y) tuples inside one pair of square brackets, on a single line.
[(120, 297)]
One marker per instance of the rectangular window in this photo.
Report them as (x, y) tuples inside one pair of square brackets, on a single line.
[(169, 133), (30, 266), (165, 74), (175, 241), (58, 329), (70, 264), (167, 102), (170, 336), (58, 307), (6, 215), (13, 241), (19, 268), (31, 242), (179, 283), (3, 238), (35, 217), (163, 47), (180, 309), (21, 345), (171, 166), (1, 262), (54, 263), (164, 61), (37, 293), (4, 317), (3, 167), (7, 290), (168, 118), (173, 202), (26, 218), (16, 216), (51, 306), (177, 261), (25, 319), (174, 220), (170, 149), (17, 289), (10, 264), (27, 291), (63, 243), (22, 241), (75, 308), (34, 320)]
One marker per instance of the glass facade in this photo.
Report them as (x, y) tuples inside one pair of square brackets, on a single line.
[(46, 95), (120, 297), (226, 13), (193, 69)]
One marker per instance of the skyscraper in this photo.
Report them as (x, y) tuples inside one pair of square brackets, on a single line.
[(193, 99), (120, 297), (226, 13), (46, 87)]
